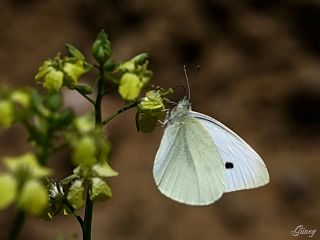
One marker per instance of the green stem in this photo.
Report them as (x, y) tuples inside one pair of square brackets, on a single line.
[(79, 219), (17, 225), (86, 227), (43, 152), (121, 110), (85, 96), (100, 93)]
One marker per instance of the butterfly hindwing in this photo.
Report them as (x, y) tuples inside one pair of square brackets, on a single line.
[(188, 167), (244, 168)]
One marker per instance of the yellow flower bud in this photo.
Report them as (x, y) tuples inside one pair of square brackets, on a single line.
[(130, 86), (76, 194), (43, 70), (8, 190), (74, 71), (84, 151), (33, 197), (7, 113), (99, 190), (151, 109), (152, 102), (84, 124), (53, 81), (21, 97), (25, 165), (101, 48)]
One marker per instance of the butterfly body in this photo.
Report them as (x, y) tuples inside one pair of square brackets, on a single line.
[(197, 159)]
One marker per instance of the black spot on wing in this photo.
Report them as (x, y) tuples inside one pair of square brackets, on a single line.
[(229, 165)]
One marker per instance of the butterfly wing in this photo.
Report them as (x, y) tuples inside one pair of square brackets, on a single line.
[(188, 167), (244, 168)]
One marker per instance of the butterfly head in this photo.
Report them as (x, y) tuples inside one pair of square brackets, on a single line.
[(179, 111)]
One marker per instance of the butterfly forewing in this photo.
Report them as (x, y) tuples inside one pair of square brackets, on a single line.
[(188, 167), (244, 168)]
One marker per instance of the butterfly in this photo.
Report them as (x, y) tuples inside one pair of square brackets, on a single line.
[(199, 159)]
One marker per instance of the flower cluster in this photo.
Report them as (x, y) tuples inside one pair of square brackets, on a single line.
[(22, 184), (90, 150), (55, 73)]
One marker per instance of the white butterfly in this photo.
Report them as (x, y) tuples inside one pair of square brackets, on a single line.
[(199, 159)]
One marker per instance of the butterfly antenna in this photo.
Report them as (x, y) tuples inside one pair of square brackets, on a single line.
[(188, 85)]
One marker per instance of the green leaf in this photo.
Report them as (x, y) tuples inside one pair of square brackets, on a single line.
[(130, 86), (62, 119), (74, 52), (33, 197), (104, 170), (99, 190), (109, 66), (36, 105), (140, 58), (8, 190), (76, 194), (53, 101)]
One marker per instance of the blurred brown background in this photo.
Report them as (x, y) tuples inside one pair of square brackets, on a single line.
[(259, 75)]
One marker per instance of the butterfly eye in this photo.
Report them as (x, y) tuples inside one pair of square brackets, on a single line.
[(229, 165)]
